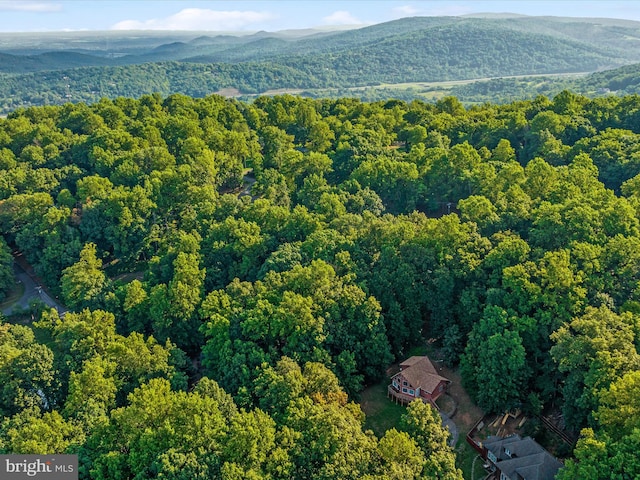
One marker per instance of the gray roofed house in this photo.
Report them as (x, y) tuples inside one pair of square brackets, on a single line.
[(517, 458)]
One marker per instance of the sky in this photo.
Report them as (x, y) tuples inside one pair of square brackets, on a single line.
[(249, 16)]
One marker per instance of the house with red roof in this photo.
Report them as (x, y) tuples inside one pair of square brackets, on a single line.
[(417, 378)]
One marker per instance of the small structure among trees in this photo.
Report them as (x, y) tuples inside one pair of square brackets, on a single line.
[(417, 378)]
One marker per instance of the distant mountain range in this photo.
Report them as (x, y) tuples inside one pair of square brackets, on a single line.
[(57, 67)]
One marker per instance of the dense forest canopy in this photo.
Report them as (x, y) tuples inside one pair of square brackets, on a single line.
[(250, 267)]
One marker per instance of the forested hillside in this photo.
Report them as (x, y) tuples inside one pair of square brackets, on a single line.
[(470, 49), (219, 332), (52, 69), (618, 81)]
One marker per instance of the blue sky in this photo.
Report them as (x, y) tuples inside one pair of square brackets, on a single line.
[(58, 15)]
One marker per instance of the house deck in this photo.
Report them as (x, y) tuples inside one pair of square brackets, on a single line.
[(405, 399)]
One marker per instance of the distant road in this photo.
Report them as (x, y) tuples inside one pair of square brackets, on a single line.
[(32, 290)]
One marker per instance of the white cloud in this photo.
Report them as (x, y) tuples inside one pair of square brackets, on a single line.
[(29, 6), (341, 17), (405, 11), (450, 11), (198, 19)]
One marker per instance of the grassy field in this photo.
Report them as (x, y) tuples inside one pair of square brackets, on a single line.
[(382, 413), (428, 91), (465, 456)]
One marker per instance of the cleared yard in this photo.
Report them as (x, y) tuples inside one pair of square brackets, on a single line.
[(383, 414)]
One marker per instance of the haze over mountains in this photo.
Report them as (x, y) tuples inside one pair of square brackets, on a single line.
[(418, 49)]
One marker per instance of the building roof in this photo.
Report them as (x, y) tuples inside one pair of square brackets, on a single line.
[(526, 459), (420, 373), (517, 446), (540, 466), (423, 360)]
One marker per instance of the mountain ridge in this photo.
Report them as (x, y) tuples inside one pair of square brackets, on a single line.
[(411, 49)]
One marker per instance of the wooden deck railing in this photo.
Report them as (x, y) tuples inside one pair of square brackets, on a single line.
[(398, 396), (406, 399)]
